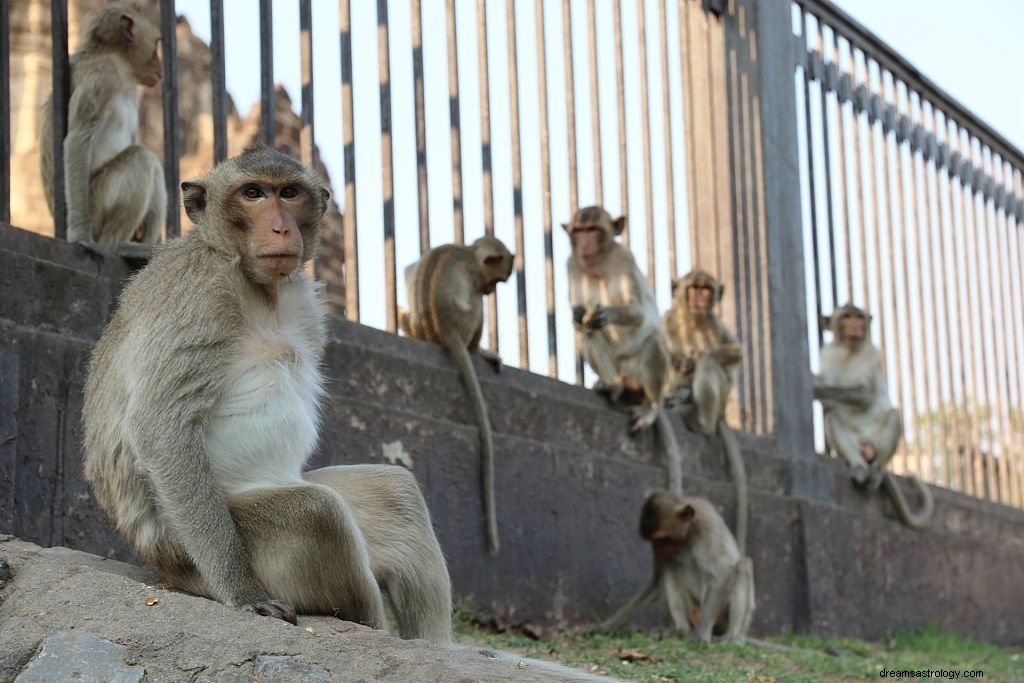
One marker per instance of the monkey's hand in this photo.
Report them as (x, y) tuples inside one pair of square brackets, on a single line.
[(274, 608), (596, 318), (577, 315), (684, 366)]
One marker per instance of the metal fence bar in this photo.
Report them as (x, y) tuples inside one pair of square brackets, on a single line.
[(1014, 368), (218, 83), (595, 104), (835, 60), (267, 104), (1016, 252), (645, 104), (812, 193), (862, 219), (485, 156), (570, 130), (5, 112), (517, 182), (666, 112), (348, 216), (169, 47), (422, 195), (877, 141), (387, 165), (61, 93), (620, 96), (827, 163), (455, 124), (306, 133), (545, 175)]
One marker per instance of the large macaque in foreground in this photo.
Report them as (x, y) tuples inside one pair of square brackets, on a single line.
[(705, 356), (202, 406), (445, 289), (699, 571), (614, 309), (861, 425), (114, 188)]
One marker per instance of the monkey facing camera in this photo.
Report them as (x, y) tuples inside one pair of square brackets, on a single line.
[(202, 406)]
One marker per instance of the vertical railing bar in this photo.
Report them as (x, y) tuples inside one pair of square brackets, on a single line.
[(218, 83), (422, 194), (487, 181), (906, 227), (645, 103), (1004, 367), (595, 104), (918, 347), (687, 81), (5, 112), (940, 313), (545, 174), (670, 202), (895, 358), (455, 125), (517, 182), (348, 217), (876, 213), (968, 311), (387, 164), (620, 95), (836, 59), (570, 131), (980, 247), (812, 193), (306, 132), (1017, 265), (61, 84), (169, 48), (267, 104), (827, 163), (863, 226)]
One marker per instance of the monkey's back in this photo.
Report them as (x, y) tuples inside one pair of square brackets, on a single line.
[(444, 294)]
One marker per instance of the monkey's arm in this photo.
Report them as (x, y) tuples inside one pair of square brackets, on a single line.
[(858, 396), (728, 352)]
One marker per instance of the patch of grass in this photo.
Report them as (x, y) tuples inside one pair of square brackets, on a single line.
[(808, 659)]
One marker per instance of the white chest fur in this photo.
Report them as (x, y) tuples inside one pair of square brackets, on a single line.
[(265, 426)]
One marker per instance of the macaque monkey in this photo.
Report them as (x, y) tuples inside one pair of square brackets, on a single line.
[(202, 405), (704, 357), (114, 187), (445, 289), (861, 425), (615, 312), (698, 570)]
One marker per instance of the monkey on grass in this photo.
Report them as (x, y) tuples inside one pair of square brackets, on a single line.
[(202, 407)]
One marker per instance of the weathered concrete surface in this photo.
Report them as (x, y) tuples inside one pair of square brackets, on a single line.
[(570, 480), (68, 615)]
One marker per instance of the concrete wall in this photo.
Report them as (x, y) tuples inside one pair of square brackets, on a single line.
[(570, 480)]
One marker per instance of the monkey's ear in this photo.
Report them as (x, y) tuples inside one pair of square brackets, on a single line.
[(826, 322), (686, 513), (675, 284), (127, 29), (619, 225), (194, 197), (565, 226), (721, 291), (325, 197)]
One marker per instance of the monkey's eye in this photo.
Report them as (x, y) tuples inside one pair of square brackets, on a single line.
[(252, 192), (289, 192)]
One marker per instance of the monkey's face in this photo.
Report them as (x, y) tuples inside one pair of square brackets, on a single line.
[(665, 521), (495, 262), (150, 70), (700, 299), (273, 214), (852, 330), (141, 39), (588, 242)]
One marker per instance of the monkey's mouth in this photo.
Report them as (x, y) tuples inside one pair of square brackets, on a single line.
[(280, 255)]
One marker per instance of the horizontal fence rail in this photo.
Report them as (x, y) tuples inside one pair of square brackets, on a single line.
[(456, 118), (914, 210)]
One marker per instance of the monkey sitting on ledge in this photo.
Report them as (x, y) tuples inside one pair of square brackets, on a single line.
[(202, 405)]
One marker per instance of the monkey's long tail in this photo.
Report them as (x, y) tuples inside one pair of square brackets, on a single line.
[(476, 397), (673, 456), (913, 520), (739, 479)]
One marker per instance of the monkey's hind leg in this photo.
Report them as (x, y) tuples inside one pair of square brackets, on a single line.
[(126, 196), (741, 602), (404, 553), (710, 388), (306, 550)]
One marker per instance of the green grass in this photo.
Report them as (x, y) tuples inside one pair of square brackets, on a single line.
[(640, 657)]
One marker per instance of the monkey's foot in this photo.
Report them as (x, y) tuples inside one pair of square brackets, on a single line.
[(612, 391), (274, 608), (860, 476), (642, 419)]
